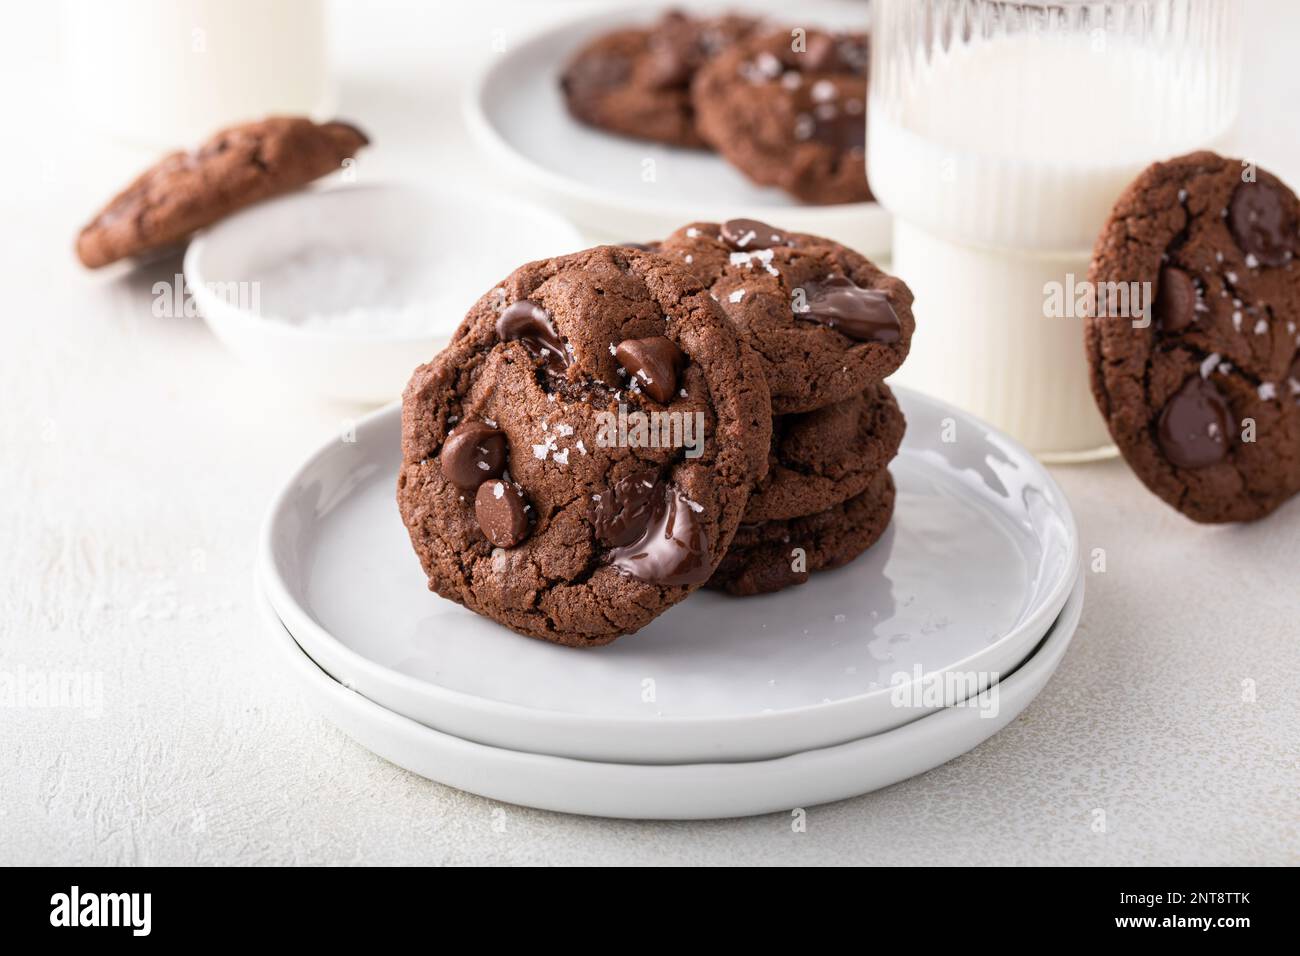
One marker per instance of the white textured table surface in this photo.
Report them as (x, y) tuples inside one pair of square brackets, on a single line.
[(136, 458)]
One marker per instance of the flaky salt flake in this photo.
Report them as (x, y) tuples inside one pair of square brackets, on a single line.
[(1209, 364), (736, 296), (561, 457), (1267, 391)]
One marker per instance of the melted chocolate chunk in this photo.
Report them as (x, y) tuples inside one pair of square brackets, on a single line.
[(502, 513), (622, 513), (746, 234), (654, 363), (1262, 222), (1175, 305), (864, 315), (1195, 427), (672, 547), (531, 324), (473, 453)]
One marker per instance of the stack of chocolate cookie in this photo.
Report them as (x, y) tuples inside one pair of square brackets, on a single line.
[(786, 106), (828, 327), (604, 424)]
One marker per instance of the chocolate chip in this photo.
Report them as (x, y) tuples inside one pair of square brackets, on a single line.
[(672, 548), (1262, 222), (838, 128), (473, 453), (668, 66), (654, 363), (531, 324), (864, 315), (1175, 305), (621, 514), (640, 246), (596, 74), (502, 513), (745, 234), (821, 54), (1195, 427)]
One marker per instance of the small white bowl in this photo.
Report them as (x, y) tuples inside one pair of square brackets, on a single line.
[(341, 293)]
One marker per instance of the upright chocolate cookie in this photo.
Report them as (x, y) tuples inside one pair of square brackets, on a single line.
[(1202, 394), (774, 555), (235, 168), (822, 458), (578, 458), (636, 82), (790, 115), (826, 323)]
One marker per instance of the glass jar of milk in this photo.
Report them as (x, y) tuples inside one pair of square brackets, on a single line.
[(1000, 135)]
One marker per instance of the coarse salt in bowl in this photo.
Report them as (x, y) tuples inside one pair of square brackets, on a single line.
[(340, 293)]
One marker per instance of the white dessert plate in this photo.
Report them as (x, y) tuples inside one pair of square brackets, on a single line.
[(978, 561), (623, 189), (692, 791), (342, 292)]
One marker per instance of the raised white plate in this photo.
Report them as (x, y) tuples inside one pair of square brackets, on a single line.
[(623, 189), (691, 791), (980, 557), (359, 251)]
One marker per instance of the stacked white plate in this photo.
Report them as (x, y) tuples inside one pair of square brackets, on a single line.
[(911, 655)]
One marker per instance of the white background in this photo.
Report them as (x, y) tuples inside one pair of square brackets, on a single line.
[(136, 458)]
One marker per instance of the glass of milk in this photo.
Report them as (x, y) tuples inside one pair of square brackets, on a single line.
[(1000, 135), (164, 74)]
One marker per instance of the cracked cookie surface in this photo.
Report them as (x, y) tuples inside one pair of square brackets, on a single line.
[(787, 117), (825, 322), (185, 191), (822, 458), (583, 526), (1203, 400), (636, 82), (775, 555)]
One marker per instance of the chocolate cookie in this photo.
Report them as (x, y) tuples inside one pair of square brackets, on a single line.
[(235, 168), (637, 82), (790, 115), (826, 323), (1202, 392), (777, 554), (821, 459), (578, 458)]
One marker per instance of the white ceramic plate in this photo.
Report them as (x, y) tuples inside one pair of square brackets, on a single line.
[(680, 791), (979, 559), (623, 189), (419, 255)]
